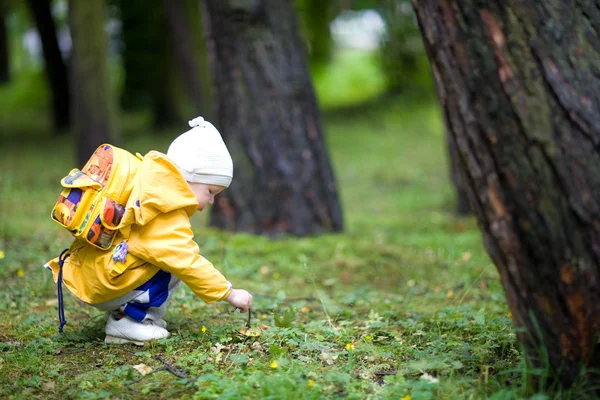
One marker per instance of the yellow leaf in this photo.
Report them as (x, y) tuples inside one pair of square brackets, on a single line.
[(509, 315), (250, 332), (21, 273), (142, 369), (1, 254), (407, 397), (310, 383), (274, 364)]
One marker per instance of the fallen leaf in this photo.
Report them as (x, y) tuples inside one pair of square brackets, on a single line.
[(264, 327), (52, 302), (49, 386), (250, 332), (305, 309), (328, 357), (217, 348), (142, 369), (466, 255)]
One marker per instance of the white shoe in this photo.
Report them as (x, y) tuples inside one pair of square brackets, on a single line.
[(126, 330), (159, 322)]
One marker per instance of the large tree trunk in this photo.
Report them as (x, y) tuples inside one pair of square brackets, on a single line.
[(4, 59), (458, 179), (267, 112), (518, 82), (56, 70), (94, 106), (184, 50)]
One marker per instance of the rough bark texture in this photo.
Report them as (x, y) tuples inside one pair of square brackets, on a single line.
[(93, 104), (518, 82), (56, 70), (4, 60), (266, 110), (184, 51), (460, 183)]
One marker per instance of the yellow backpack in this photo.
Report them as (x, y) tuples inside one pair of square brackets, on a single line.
[(93, 199)]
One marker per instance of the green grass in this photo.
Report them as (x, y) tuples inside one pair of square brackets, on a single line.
[(405, 301)]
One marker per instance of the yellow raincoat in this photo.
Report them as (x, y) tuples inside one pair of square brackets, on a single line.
[(157, 230)]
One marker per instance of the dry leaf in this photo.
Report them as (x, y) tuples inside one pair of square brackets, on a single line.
[(264, 327), (250, 332), (143, 369), (49, 386), (52, 302)]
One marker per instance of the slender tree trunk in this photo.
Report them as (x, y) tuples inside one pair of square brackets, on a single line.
[(267, 112), (56, 70), (184, 50), (4, 59), (519, 84), (147, 61), (94, 106)]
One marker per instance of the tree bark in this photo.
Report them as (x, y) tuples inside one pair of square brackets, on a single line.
[(518, 82), (184, 50), (266, 110), (94, 106), (459, 181), (56, 70), (4, 59)]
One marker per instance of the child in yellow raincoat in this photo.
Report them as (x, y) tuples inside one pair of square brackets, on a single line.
[(154, 250)]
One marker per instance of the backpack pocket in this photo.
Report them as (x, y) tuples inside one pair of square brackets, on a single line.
[(103, 223), (78, 195)]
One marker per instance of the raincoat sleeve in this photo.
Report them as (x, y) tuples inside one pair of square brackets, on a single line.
[(167, 241)]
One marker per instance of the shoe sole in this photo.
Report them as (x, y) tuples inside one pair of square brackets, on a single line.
[(118, 340)]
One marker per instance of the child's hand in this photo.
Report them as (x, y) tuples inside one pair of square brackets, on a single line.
[(241, 299)]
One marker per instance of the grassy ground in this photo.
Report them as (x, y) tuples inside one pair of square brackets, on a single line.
[(404, 304)]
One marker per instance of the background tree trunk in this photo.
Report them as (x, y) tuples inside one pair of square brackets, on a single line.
[(4, 59), (518, 82), (148, 62), (184, 50), (56, 70), (94, 106), (267, 112)]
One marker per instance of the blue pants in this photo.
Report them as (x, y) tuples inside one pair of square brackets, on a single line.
[(146, 302)]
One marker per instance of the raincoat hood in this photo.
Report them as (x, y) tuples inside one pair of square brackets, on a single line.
[(159, 188)]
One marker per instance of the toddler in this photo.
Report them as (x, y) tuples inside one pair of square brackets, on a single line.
[(154, 249)]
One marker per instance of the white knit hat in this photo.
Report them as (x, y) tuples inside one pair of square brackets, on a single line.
[(201, 155)]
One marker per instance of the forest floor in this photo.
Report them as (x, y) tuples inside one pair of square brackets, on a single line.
[(404, 304)]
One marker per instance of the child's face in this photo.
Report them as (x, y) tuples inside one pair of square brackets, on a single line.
[(205, 194)]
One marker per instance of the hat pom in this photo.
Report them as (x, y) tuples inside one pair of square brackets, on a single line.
[(198, 121)]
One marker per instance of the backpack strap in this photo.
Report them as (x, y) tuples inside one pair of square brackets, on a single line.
[(61, 308)]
